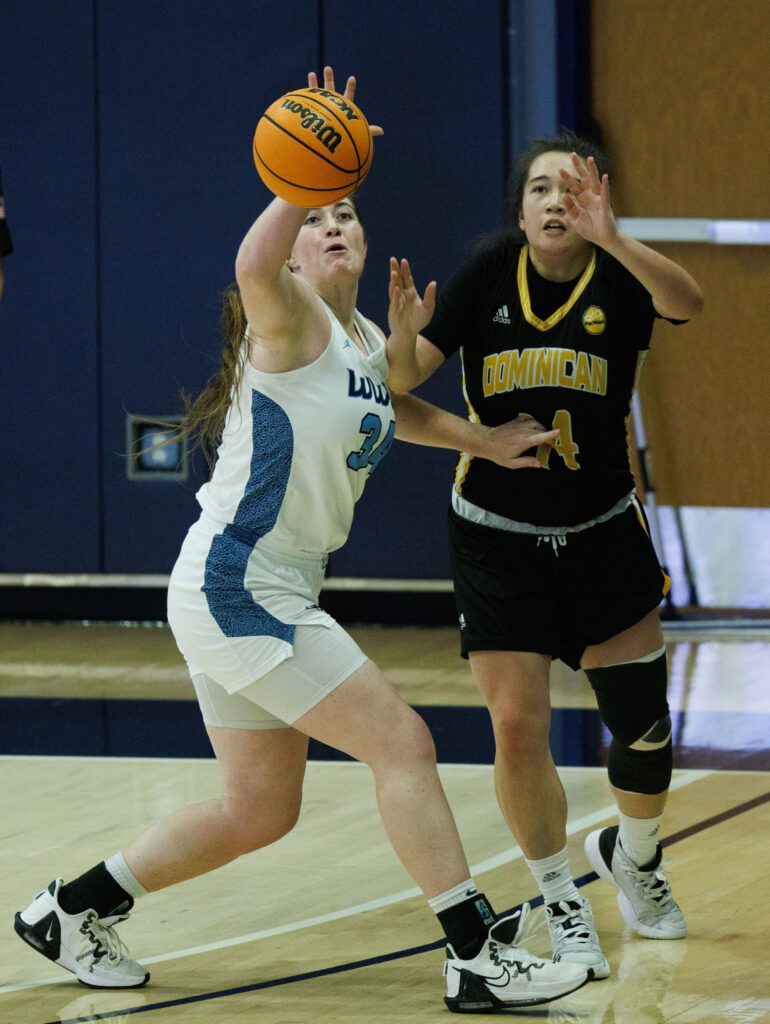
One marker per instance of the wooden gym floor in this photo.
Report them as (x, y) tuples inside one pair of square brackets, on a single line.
[(99, 735)]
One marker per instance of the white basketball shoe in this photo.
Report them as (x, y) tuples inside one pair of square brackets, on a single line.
[(644, 895), (82, 943), (504, 974), (573, 936)]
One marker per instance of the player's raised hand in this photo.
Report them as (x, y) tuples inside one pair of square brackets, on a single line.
[(408, 312), (349, 93), (587, 203)]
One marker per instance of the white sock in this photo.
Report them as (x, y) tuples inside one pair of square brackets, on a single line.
[(639, 837), (554, 877), (124, 876), (453, 896)]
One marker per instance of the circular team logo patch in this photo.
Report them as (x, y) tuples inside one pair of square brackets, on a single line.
[(594, 320)]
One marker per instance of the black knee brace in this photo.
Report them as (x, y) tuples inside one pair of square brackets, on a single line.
[(640, 771), (632, 702)]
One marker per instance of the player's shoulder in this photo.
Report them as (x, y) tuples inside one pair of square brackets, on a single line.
[(489, 261), (608, 268), (497, 250)]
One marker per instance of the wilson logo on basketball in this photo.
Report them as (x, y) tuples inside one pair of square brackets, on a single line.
[(338, 101), (314, 123), (594, 320)]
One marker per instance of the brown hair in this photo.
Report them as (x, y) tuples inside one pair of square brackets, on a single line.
[(204, 416)]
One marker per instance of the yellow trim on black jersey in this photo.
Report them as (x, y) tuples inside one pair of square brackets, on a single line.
[(643, 524), (561, 312), (643, 353), (465, 460)]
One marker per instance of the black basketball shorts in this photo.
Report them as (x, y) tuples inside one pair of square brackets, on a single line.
[(553, 595)]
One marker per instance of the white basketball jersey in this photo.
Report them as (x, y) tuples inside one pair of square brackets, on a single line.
[(298, 447)]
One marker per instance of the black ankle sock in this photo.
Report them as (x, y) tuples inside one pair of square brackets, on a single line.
[(97, 890), (466, 925)]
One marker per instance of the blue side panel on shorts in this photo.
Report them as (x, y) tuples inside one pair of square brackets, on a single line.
[(232, 606)]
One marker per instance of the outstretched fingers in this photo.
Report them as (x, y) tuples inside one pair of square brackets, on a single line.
[(405, 298), (350, 85), (584, 178), (429, 298), (605, 189), (349, 93)]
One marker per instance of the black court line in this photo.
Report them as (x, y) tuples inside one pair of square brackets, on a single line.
[(399, 954)]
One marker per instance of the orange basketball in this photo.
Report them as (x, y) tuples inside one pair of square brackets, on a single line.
[(312, 147)]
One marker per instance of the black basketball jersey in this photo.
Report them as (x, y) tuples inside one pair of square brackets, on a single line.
[(572, 362)]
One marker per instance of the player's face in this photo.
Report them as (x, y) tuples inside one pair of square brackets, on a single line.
[(542, 217), (330, 243)]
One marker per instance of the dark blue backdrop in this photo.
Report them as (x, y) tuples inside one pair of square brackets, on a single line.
[(126, 154)]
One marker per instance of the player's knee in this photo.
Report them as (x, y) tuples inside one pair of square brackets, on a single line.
[(633, 705), (269, 831), (631, 697), (640, 771), (520, 732), (263, 821), (519, 750), (421, 746), (403, 740)]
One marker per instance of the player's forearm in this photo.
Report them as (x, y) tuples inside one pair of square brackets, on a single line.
[(269, 241), (410, 363), (403, 369), (421, 423), (674, 291)]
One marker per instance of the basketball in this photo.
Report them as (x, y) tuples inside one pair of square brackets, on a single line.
[(312, 147)]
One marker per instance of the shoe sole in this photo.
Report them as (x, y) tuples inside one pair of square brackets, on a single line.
[(596, 971), (629, 916), (475, 997), (598, 863), (24, 931)]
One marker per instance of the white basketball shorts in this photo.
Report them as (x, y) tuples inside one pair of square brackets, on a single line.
[(249, 627)]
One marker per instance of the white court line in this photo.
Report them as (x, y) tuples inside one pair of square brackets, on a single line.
[(680, 780)]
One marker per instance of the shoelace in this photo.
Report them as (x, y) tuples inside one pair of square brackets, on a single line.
[(530, 923), (571, 926), (107, 941), (557, 540), (654, 886)]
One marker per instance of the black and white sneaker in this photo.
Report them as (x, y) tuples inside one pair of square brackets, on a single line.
[(505, 975), (82, 943), (644, 895)]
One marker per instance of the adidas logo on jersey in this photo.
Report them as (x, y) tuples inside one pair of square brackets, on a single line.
[(501, 316)]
